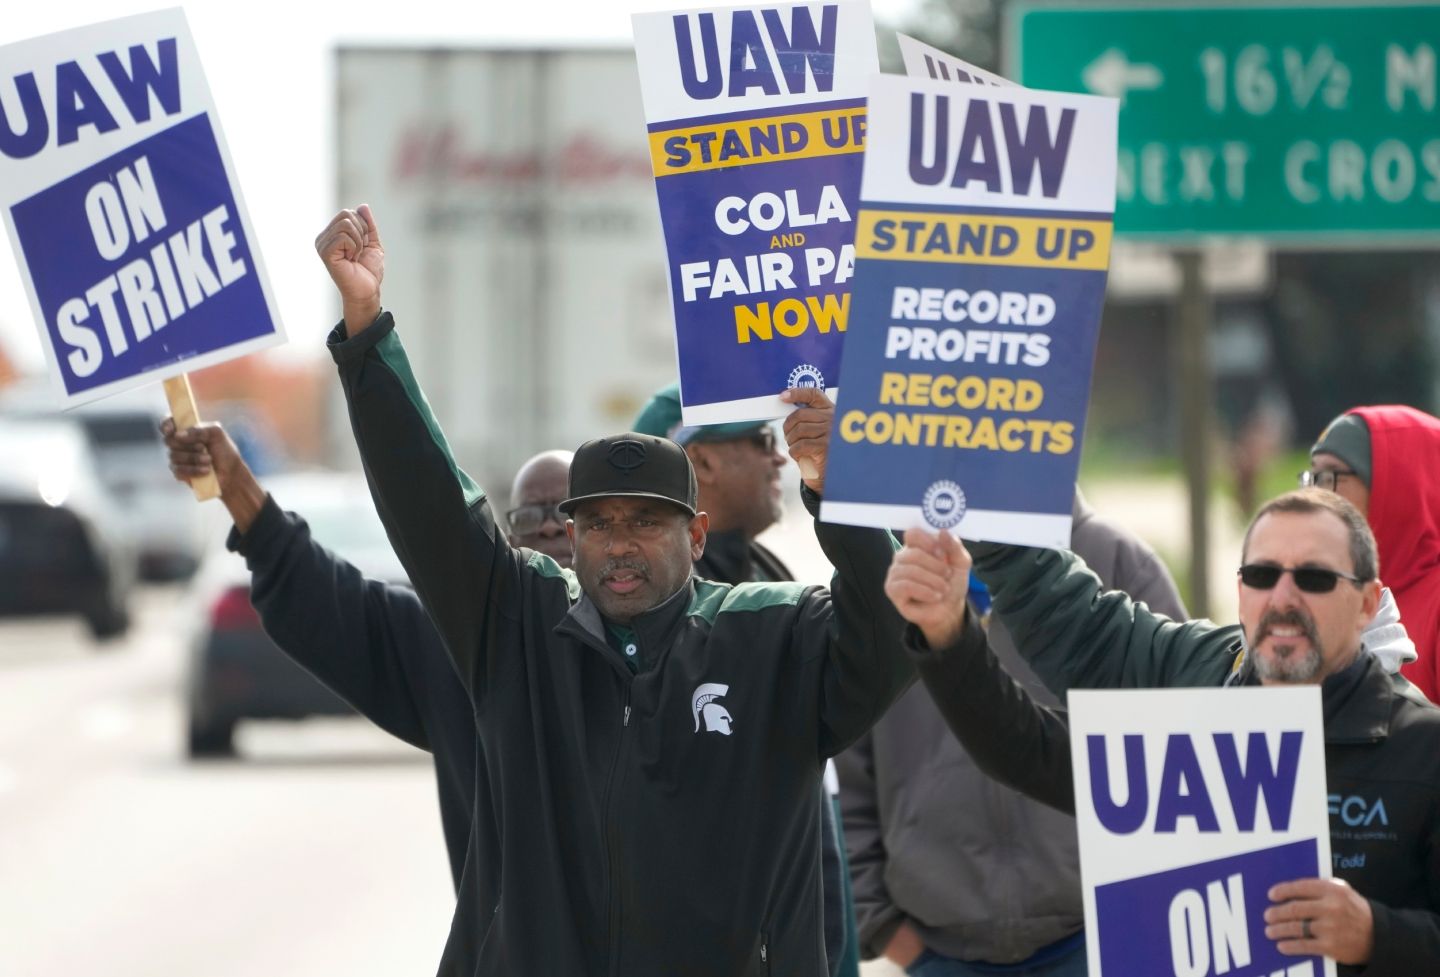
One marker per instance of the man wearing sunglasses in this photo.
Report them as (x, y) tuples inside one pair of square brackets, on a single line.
[(1386, 462), (1308, 592)]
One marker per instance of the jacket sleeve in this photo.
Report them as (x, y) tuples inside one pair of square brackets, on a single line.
[(876, 916), (1010, 736), (1407, 941), (865, 667), (351, 633), (438, 519), (1075, 634)]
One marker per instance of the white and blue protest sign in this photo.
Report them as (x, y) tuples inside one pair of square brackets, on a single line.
[(123, 207), (981, 248), (756, 120), (921, 60), (1190, 805)]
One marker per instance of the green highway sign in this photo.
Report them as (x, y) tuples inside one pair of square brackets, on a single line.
[(1302, 124)]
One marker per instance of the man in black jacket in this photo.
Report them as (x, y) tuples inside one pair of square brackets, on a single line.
[(1307, 594), (653, 742), (368, 641)]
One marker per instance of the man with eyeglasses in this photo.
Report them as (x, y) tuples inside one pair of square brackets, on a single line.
[(1386, 462), (1308, 592), (535, 520)]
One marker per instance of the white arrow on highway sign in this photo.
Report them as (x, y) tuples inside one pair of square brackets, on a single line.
[(1114, 75)]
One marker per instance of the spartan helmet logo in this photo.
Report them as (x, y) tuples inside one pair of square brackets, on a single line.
[(704, 704)]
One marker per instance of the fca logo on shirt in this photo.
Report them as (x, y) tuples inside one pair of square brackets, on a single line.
[(705, 705), (1357, 812)]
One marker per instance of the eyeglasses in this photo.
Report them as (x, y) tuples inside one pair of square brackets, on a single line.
[(1325, 479), (526, 519), (1312, 580)]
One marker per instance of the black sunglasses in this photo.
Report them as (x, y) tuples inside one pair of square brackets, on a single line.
[(526, 519), (764, 439), (1312, 580)]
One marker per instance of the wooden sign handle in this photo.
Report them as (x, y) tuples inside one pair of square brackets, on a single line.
[(182, 409)]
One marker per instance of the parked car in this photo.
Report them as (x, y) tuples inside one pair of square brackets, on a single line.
[(124, 435), (236, 672), (64, 548)]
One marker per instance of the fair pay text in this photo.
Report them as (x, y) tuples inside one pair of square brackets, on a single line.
[(780, 215)]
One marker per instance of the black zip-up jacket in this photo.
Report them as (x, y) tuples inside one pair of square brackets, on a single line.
[(1382, 738), (660, 823), (373, 645)]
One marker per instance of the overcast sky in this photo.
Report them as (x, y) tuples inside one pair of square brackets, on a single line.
[(268, 64)]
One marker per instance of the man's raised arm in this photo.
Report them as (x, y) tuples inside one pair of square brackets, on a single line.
[(865, 666), (364, 639), (1076, 634), (438, 519)]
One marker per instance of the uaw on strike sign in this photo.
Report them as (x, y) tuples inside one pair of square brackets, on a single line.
[(756, 121), (123, 208), (1190, 805)]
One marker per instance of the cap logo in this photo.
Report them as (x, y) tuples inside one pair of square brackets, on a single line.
[(626, 456)]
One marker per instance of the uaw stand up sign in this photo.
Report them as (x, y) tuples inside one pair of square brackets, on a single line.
[(1190, 805), (981, 248), (757, 124)]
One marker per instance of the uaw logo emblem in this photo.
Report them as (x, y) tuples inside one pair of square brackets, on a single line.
[(626, 456), (806, 375), (943, 505), (706, 707)]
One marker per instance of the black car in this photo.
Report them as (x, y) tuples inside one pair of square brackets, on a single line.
[(63, 546)]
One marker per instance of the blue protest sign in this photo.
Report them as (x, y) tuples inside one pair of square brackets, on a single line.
[(1190, 806), (756, 121), (981, 248), (122, 204)]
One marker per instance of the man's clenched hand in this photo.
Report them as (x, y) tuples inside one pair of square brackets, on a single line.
[(351, 249)]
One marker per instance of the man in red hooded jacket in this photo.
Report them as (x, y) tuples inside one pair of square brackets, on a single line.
[(1386, 462)]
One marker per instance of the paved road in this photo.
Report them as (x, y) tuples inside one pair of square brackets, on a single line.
[(319, 853)]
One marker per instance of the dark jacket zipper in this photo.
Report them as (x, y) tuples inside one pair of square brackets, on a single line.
[(612, 832)]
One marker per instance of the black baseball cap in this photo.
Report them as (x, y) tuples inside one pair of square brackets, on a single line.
[(632, 465)]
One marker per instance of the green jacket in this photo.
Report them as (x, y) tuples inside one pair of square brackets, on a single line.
[(1382, 738), (660, 823), (1076, 635)]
